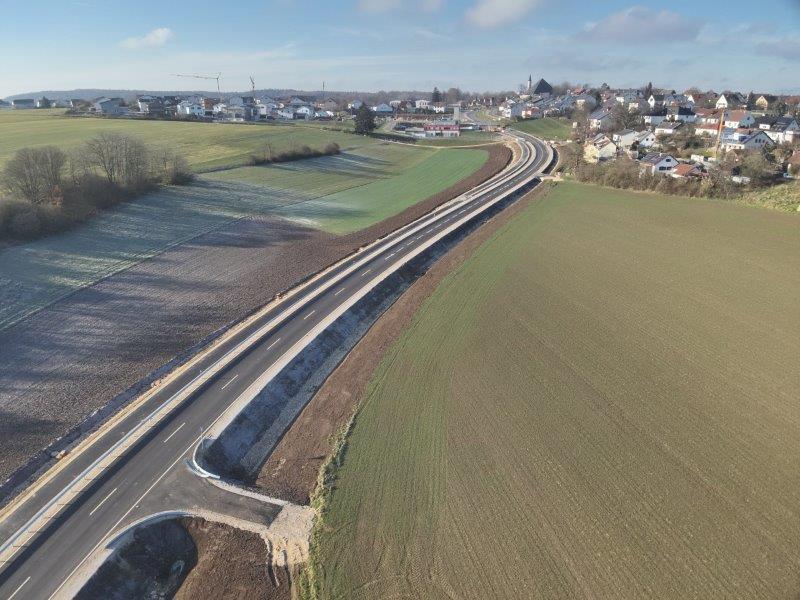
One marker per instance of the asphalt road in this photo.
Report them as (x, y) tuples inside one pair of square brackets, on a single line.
[(42, 554)]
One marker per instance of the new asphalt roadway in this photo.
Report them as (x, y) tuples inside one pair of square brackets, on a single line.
[(108, 482)]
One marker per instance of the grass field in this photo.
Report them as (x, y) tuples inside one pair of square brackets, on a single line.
[(207, 146), (338, 194), (467, 138), (601, 402), (547, 128)]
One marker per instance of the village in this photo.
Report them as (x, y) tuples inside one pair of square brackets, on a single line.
[(666, 132)]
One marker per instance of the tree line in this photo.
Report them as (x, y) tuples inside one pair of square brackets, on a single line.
[(48, 189)]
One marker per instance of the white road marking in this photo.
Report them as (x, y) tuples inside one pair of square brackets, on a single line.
[(364, 274), (16, 591), (102, 502), (230, 381), (309, 314), (273, 343), (184, 423), (340, 291)]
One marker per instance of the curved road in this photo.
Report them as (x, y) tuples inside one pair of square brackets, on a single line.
[(89, 497)]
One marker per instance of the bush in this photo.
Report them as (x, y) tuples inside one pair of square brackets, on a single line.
[(301, 153)]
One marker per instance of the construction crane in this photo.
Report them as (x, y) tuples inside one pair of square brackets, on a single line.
[(252, 84), (217, 77)]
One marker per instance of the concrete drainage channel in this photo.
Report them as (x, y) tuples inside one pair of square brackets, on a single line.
[(156, 555)]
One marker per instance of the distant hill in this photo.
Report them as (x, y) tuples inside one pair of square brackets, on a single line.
[(91, 94)]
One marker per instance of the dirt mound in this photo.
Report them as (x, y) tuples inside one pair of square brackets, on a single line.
[(189, 558)]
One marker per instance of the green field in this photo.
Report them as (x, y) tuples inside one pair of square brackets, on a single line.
[(467, 138), (207, 146), (547, 128), (338, 194), (601, 402)]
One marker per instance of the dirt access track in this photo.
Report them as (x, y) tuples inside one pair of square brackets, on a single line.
[(100, 347), (292, 469)]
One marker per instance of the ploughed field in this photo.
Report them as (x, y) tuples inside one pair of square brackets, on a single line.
[(335, 194), (207, 146), (602, 401)]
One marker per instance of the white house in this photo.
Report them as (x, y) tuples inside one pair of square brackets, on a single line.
[(668, 128), (625, 139), (355, 105), (383, 109), (304, 112), (655, 117), (658, 163), (645, 139), (739, 118), (422, 104), (755, 141), (109, 106), (601, 119), (190, 109)]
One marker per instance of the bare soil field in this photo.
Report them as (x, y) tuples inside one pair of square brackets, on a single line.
[(71, 358), (600, 402)]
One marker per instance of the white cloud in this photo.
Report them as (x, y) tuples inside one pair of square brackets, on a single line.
[(642, 24), (492, 13), (157, 37)]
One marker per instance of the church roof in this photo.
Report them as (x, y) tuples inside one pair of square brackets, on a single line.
[(542, 87)]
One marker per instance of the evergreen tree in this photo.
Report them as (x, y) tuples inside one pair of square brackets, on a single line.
[(436, 96), (365, 120)]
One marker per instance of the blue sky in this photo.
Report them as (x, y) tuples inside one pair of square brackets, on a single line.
[(370, 45)]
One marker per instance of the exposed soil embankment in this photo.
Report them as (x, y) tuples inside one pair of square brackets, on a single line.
[(292, 468), (60, 368), (185, 558)]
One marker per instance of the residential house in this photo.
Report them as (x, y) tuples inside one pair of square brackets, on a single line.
[(328, 104), (658, 163), (383, 109), (191, 109), (625, 139), (627, 96), (109, 106), (422, 104), (304, 112), (43, 102), (438, 108), (765, 100), (681, 113), (687, 171), (584, 101), (668, 128), (743, 141), (730, 100), (601, 119), (23, 103), (655, 116), (599, 148), (782, 130), (151, 106), (644, 139), (656, 100), (736, 119)]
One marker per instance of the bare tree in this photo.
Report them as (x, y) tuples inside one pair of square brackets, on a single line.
[(35, 173), (123, 159)]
